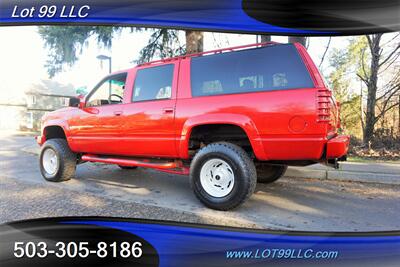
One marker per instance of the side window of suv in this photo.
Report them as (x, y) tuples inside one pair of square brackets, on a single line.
[(110, 91), (278, 67), (153, 83)]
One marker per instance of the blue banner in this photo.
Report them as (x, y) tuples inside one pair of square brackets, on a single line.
[(123, 242), (283, 17)]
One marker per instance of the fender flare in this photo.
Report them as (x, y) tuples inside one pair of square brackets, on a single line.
[(240, 120), (59, 123)]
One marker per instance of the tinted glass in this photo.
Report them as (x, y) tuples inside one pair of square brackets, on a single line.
[(153, 83), (269, 68)]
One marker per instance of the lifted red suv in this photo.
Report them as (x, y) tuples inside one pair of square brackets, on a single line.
[(229, 118)]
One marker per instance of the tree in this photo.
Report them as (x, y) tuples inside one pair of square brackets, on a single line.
[(194, 42), (324, 54), (340, 83), (376, 64), (379, 62), (163, 43), (265, 38), (66, 43), (298, 39)]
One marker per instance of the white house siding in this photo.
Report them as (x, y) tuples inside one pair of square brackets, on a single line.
[(12, 117)]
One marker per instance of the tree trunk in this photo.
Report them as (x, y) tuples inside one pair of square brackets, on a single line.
[(265, 38), (370, 118), (298, 39), (362, 109), (194, 42)]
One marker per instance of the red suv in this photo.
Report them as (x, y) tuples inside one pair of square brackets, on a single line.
[(229, 118)]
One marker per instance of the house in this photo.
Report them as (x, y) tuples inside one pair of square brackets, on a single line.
[(12, 112), (25, 112)]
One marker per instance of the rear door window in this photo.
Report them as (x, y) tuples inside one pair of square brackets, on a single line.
[(153, 83), (275, 67)]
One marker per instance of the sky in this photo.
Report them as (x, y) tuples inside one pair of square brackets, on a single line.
[(23, 56)]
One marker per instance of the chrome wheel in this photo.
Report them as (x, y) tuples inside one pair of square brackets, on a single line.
[(50, 161), (217, 177)]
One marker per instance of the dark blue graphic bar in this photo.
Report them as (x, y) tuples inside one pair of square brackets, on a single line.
[(285, 17), (123, 242)]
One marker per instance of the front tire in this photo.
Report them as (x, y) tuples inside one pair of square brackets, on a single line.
[(57, 161), (222, 176), (267, 173)]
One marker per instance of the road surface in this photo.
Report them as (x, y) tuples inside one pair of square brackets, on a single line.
[(104, 190)]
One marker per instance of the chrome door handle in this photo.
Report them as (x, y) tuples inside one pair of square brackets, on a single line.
[(168, 110), (117, 113)]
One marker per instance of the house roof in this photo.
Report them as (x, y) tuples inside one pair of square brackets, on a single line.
[(50, 87)]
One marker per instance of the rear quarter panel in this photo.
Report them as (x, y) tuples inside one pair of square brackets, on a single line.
[(284, 121)]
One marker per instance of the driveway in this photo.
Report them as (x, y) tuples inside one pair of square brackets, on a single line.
[(293, 203)]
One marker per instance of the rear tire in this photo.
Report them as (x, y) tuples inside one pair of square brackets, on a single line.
[(222, 176), (267, 173), (57, 161), (127, 167)]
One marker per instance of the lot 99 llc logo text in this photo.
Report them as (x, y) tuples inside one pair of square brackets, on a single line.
[(51, 11)]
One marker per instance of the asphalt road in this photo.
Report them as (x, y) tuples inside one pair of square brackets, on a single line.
[(105, 190)]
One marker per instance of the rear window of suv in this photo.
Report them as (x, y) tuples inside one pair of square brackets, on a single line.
[(275, 67)]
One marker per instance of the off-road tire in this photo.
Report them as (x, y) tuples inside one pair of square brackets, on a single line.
[(245, 175), (127, 167), (66, 166), (267, 173)]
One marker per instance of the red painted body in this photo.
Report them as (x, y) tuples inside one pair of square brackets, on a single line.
[(284, 125)]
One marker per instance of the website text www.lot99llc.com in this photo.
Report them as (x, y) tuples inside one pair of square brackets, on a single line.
[(281, 253)]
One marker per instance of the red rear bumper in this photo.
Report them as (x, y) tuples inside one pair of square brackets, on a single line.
[(337, 147)]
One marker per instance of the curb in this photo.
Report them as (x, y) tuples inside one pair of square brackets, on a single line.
[(366, 177), (315, 173), (339, 175)]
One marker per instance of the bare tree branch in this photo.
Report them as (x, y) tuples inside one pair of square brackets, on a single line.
[(363, 65), (369, 41), (326, 50), (389, 64), (385, 107), (384, 111), (390, 55), (391, 88), (388, 42), (363, 79)]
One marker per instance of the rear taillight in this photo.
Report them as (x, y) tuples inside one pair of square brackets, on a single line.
[(326, 110), (323, 105)]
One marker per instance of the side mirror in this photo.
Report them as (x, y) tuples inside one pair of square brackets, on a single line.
[(78, 102), (82, 102), (74, 102)]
